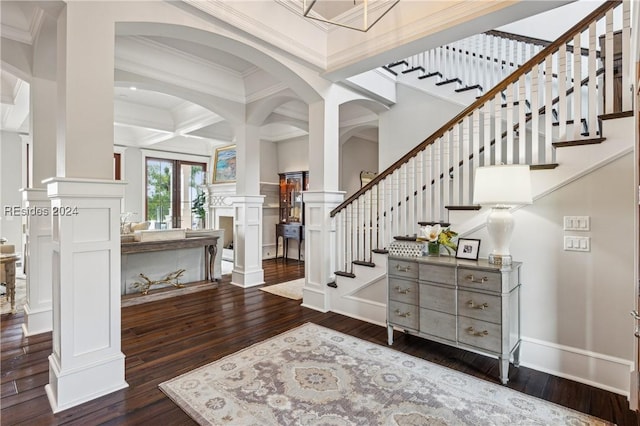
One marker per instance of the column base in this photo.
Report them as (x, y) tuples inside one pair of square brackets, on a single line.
[(67, 389), (314, 299), (37, 321), (247, 279)]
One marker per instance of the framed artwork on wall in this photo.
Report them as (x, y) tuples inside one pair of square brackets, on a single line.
[(468, 249), (224, 166)]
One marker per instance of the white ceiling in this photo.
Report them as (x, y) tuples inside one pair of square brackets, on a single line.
[(160, 82)]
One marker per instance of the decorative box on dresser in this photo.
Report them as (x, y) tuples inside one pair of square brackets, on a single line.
[(472, 305)]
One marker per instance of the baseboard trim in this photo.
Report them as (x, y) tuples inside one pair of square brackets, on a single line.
[(591, 368)]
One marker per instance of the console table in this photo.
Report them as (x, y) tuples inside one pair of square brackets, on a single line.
[(467, 304), (208, 243), (294, 231), (8, 262)]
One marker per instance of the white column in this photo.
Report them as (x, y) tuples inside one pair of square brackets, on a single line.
[(87, 361), (323, 196), (38, 254), (320, 240), (247, 205), (247, 241)]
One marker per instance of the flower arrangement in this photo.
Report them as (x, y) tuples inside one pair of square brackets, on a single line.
[(436, 236)]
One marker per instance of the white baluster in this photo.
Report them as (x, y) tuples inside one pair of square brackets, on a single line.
[(608, 65), (535, 114), (487, 137), (467, 134), (428, 192), (562, 92), (592, 122), (577, 85), (419, 178), (522, 120), (509, 113), (437, 187), (455, 163), (627, 94), (488, 59), (476, 120), (445, 160), (383, 214), (497, 127), (548, 108), (410, 200)]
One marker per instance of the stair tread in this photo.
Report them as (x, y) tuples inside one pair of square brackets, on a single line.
[(615, 115), (445, 224), (380, 251), (332, 284), (548, 166), (578, 142), (453, 80), (345, 274), (364, 263), (462, 208)]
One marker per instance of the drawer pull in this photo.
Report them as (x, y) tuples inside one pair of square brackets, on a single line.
[(471, 331), (476, 280), (404, 291), (403, 314), (403, 268), (474, 306)]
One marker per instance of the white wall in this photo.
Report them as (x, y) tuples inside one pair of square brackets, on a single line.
[(409, 122), (10, 184), (553, 23), (575, 305), (293, 155), (357, 155), (269, 162), (133, 174)]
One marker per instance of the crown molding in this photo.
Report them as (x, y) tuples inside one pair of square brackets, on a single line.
[(186, 56), (178, 80), (25, 36), (223, 11), (266, 92)]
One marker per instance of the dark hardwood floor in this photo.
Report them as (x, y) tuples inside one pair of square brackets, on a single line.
[(163, 339)]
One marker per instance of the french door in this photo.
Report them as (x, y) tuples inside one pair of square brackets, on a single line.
[(171, 187)]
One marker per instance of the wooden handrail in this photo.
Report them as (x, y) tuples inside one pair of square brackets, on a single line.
[(513, 77), (533, 40)]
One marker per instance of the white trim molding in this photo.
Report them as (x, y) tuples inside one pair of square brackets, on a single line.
[(588, 367)]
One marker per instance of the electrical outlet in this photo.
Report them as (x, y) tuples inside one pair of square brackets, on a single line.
[(573, 243), (577, 223)]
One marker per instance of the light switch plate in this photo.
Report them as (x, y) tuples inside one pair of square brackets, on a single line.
[(577, 223), (573, 243)]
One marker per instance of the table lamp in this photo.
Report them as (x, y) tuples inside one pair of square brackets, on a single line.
[(502, 187)]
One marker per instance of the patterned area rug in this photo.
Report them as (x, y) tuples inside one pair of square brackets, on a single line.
[(312, 375), (290, 289)]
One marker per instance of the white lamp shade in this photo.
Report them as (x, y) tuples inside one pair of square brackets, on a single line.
[(502, 185)]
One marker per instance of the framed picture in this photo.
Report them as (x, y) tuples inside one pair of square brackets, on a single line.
[(468, 249), (224, 166)]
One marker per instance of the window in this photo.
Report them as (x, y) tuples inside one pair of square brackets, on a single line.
[(171, 187)]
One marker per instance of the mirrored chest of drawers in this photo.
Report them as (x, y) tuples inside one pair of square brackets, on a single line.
[(472, 305)]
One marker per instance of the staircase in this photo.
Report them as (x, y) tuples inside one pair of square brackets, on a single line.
[(473, 64), (545, 107)]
